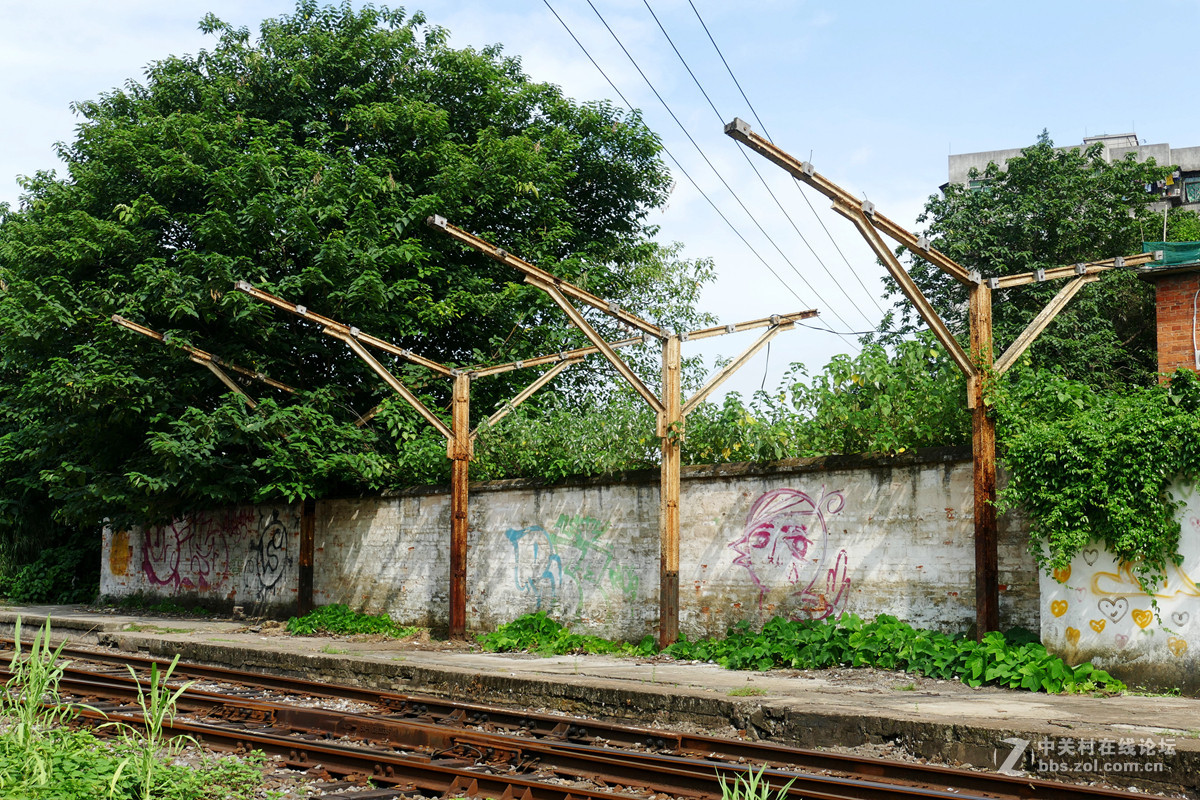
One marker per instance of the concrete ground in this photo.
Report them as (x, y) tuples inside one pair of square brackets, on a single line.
[(1147, 741)]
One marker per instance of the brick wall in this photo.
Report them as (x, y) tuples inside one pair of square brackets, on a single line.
[(1175, 295)]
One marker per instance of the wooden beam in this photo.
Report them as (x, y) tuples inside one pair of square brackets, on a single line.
[(983, 447), (342, 328), (908, 286), (391, 380), (566, 355), (721, 376), (304, 582), (738, 327), (528, 392), (740, 131), (604, 347), (670, 428), (460, 453), (1088, 268), (201, 357), (225, 379), (541, 275), (1039, 323)]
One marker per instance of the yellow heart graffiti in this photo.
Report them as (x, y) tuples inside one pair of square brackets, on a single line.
[(1143, 617), (1062, 575), (1097, 625), (1073, 636), (1058, 607), (1177, 646)]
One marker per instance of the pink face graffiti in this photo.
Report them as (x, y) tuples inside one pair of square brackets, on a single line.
[(785, 545)]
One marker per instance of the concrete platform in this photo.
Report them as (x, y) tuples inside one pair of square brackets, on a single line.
[(1155, 739)]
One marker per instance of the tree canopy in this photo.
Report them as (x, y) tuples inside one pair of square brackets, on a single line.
[(302, 160), (1047, 208)]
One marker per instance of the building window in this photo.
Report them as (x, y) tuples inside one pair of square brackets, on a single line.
[(1191, 190)]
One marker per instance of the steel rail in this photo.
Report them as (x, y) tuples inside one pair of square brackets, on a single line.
[(568, 734), (659, 773)]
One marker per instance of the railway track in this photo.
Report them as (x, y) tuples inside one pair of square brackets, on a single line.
[(419, 745)]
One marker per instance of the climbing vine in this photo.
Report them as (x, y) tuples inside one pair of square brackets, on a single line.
[(1089, 465)]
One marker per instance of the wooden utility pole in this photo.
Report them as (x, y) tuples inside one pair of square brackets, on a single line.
[(670, 410), (460, 438), (670, 431), (983, 456), (979, 368), (459, 449)]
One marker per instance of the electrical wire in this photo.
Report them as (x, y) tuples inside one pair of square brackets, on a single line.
[(704, 156), (675, 161), (799, 186), (754, 166)]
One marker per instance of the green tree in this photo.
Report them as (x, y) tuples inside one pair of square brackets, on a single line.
[(1046, 208), (304, 161)]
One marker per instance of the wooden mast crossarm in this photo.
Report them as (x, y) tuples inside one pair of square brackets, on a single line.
[(1088, 268), (740, 130), (392, 381), (334, 325), (723, 374), (201, 357), (542, 276), (225, 379), (908, 286), (566, 355), (749, 325)]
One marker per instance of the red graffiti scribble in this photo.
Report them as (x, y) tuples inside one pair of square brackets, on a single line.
[(193, 553)]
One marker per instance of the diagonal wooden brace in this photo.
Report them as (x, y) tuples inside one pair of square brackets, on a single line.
[(1039, 323), (605, 348), (908, 286), (392, 381)]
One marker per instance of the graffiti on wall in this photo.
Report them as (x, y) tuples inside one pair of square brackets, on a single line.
[(1095, 603), (203, 552), (785, 545), (189, 554), (557, 566), (268, 557)]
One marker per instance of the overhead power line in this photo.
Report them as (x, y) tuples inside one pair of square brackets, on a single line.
[(754, 166), (763, 127), (711, 166), (674, 160)]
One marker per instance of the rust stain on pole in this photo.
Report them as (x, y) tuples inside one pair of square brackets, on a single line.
[(670, 428), (459, 451), (304, 584), (983, 447)]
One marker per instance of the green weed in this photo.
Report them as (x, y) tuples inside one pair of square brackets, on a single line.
[(537, 633), (746, 691), (1014, 661), (752, 786), (339, 619)]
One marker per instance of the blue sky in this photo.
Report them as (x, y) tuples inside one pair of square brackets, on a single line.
[(875, 94)]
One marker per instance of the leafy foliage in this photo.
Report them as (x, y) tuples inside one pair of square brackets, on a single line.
[(1049, 208), (60, 573), (1015, 661), (873, 402), (539, 633), (340, 619), (1096, 465), (303, 160)]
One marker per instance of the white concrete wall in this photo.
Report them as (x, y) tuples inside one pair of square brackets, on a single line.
[(1095, 610), (805, 539), (243, 556)]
